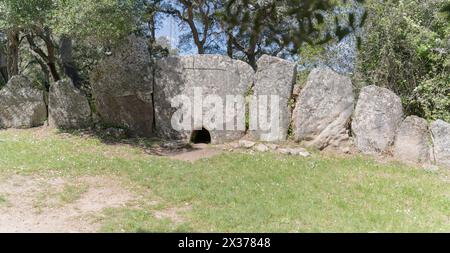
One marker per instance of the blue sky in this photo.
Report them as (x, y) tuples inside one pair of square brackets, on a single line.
[(169, 28)]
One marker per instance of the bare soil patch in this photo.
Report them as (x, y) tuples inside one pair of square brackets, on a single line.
[(198, 152), (33, 204)]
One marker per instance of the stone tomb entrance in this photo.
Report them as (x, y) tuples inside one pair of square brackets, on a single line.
[(201, 137), (214, 75)]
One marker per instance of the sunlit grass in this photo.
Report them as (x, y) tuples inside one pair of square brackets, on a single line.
[(236, 192)]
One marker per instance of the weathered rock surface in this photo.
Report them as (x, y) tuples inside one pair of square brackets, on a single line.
[(246, 144), (324, 109), (272, 146), (68, 108), (261, 148), (21, 104), (122, 88), (216, 75), (277, 77), (377, 116), (413, 142), (441, 140), (294, 152)]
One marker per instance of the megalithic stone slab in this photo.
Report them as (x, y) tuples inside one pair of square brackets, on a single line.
[(274, 77), (215, 75), (21, 104), (324, 109), (123, 87), (68, 107), (413, 141), (441, 141), (377, 116)]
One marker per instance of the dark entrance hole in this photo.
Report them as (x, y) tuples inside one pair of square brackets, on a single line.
[(201, 136)]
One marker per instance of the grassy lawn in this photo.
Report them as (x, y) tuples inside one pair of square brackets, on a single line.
[(237, 192)]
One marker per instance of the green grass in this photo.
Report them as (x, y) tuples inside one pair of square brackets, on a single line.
[(52, 197), (236, 192), (72, 193), (3, 200)]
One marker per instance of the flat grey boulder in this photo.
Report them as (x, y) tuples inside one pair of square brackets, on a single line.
[(68, 107), (294, 152), (441, 140), (246, 144), (122, 88), (377, 116), (323, 109), (213, 75), (261, 148), (275, 77), (413, 142), (21, 104)]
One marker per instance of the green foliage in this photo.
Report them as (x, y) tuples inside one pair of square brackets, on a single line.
[(312, 54), (288, 23), (104, 20), (21, 14), (433, 97), (302, 78), (406, 49), (446, 10), (92, 25), (98, 20)]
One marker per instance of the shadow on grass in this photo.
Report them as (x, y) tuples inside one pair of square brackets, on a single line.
[(118, 136)]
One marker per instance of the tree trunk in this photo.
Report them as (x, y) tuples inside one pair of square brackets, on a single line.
[(52, 63), (44, 34), (13, 43), (230, 47), (251, 57), (48, 59), (152, 28), (195, 33), (66, 52), (200, 49)]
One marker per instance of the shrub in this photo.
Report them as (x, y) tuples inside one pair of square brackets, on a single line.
[(406, 49)]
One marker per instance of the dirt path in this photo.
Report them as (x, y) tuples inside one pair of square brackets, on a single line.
[(199, 151), (30, 204)]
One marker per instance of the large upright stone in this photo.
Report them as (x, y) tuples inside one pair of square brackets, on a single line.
[(275, 77), (323, 109), (413, 142), (213, 75), (21, 104), (377, 116), (68, 108), (122, 87), (441, 140)]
